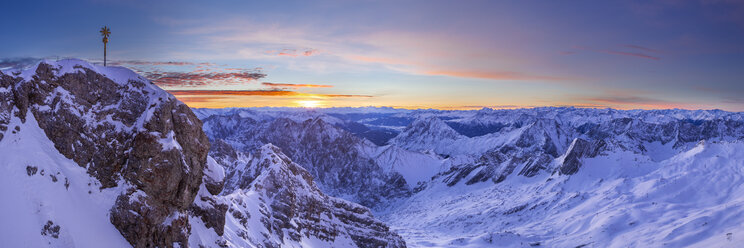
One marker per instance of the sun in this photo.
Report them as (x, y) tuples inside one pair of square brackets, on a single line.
[(308, 103)]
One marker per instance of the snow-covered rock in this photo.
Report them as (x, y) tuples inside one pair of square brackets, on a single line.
[(276, 204)]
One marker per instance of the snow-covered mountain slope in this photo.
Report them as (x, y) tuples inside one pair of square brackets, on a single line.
[(620, 199), (140, 157), (429, 133), (275, 203), (415, 167), (47, 199)]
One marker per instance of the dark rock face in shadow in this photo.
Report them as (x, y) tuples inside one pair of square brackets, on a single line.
[(580, 149)]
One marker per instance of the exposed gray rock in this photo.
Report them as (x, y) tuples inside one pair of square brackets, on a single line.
[(7, 101), (578, 150), (50, 229), (31, 170), (208, 205), (118, 126)]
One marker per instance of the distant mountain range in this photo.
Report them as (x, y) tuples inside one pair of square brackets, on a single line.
[(557, 177)]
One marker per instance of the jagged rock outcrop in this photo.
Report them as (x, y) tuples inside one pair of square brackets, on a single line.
[(578, 150), (7, 101), (208, 205), (118, 125), (280, 206)]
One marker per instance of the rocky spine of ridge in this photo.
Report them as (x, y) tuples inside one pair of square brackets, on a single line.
[(276, 204), (533, 150), (123, 129)]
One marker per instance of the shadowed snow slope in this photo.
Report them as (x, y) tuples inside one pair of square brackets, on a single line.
[(620, 199), (39, 185)]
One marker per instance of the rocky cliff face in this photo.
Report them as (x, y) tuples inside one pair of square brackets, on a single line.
[(579, 149), (123, 130), (276, 204)]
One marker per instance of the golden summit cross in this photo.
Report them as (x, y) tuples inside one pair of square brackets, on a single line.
[(105, 32)]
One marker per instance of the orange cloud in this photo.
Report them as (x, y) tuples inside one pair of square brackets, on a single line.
[(279, 85), (293, 52), (261, 98), (310, 52), (287, 93)]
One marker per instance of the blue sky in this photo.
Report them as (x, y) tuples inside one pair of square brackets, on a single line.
[(413, 54)]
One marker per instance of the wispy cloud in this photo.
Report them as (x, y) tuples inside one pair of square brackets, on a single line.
[(288, 85), (638, 55), (293, 52), (642, 48), (626, 99), (408, 52), (159, 63), (621, 53), (608, 99), (201, 78), (310, 52), (489, 75), (280, 93), (191, 74)]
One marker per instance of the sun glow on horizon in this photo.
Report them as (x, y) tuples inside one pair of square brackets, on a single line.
[(309, 103)]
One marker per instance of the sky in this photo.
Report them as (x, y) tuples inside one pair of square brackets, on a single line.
[(405, 54)]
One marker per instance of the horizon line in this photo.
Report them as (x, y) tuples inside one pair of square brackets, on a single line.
[(469, 109)]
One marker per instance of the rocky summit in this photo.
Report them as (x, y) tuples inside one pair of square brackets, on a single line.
[(123, 130)]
